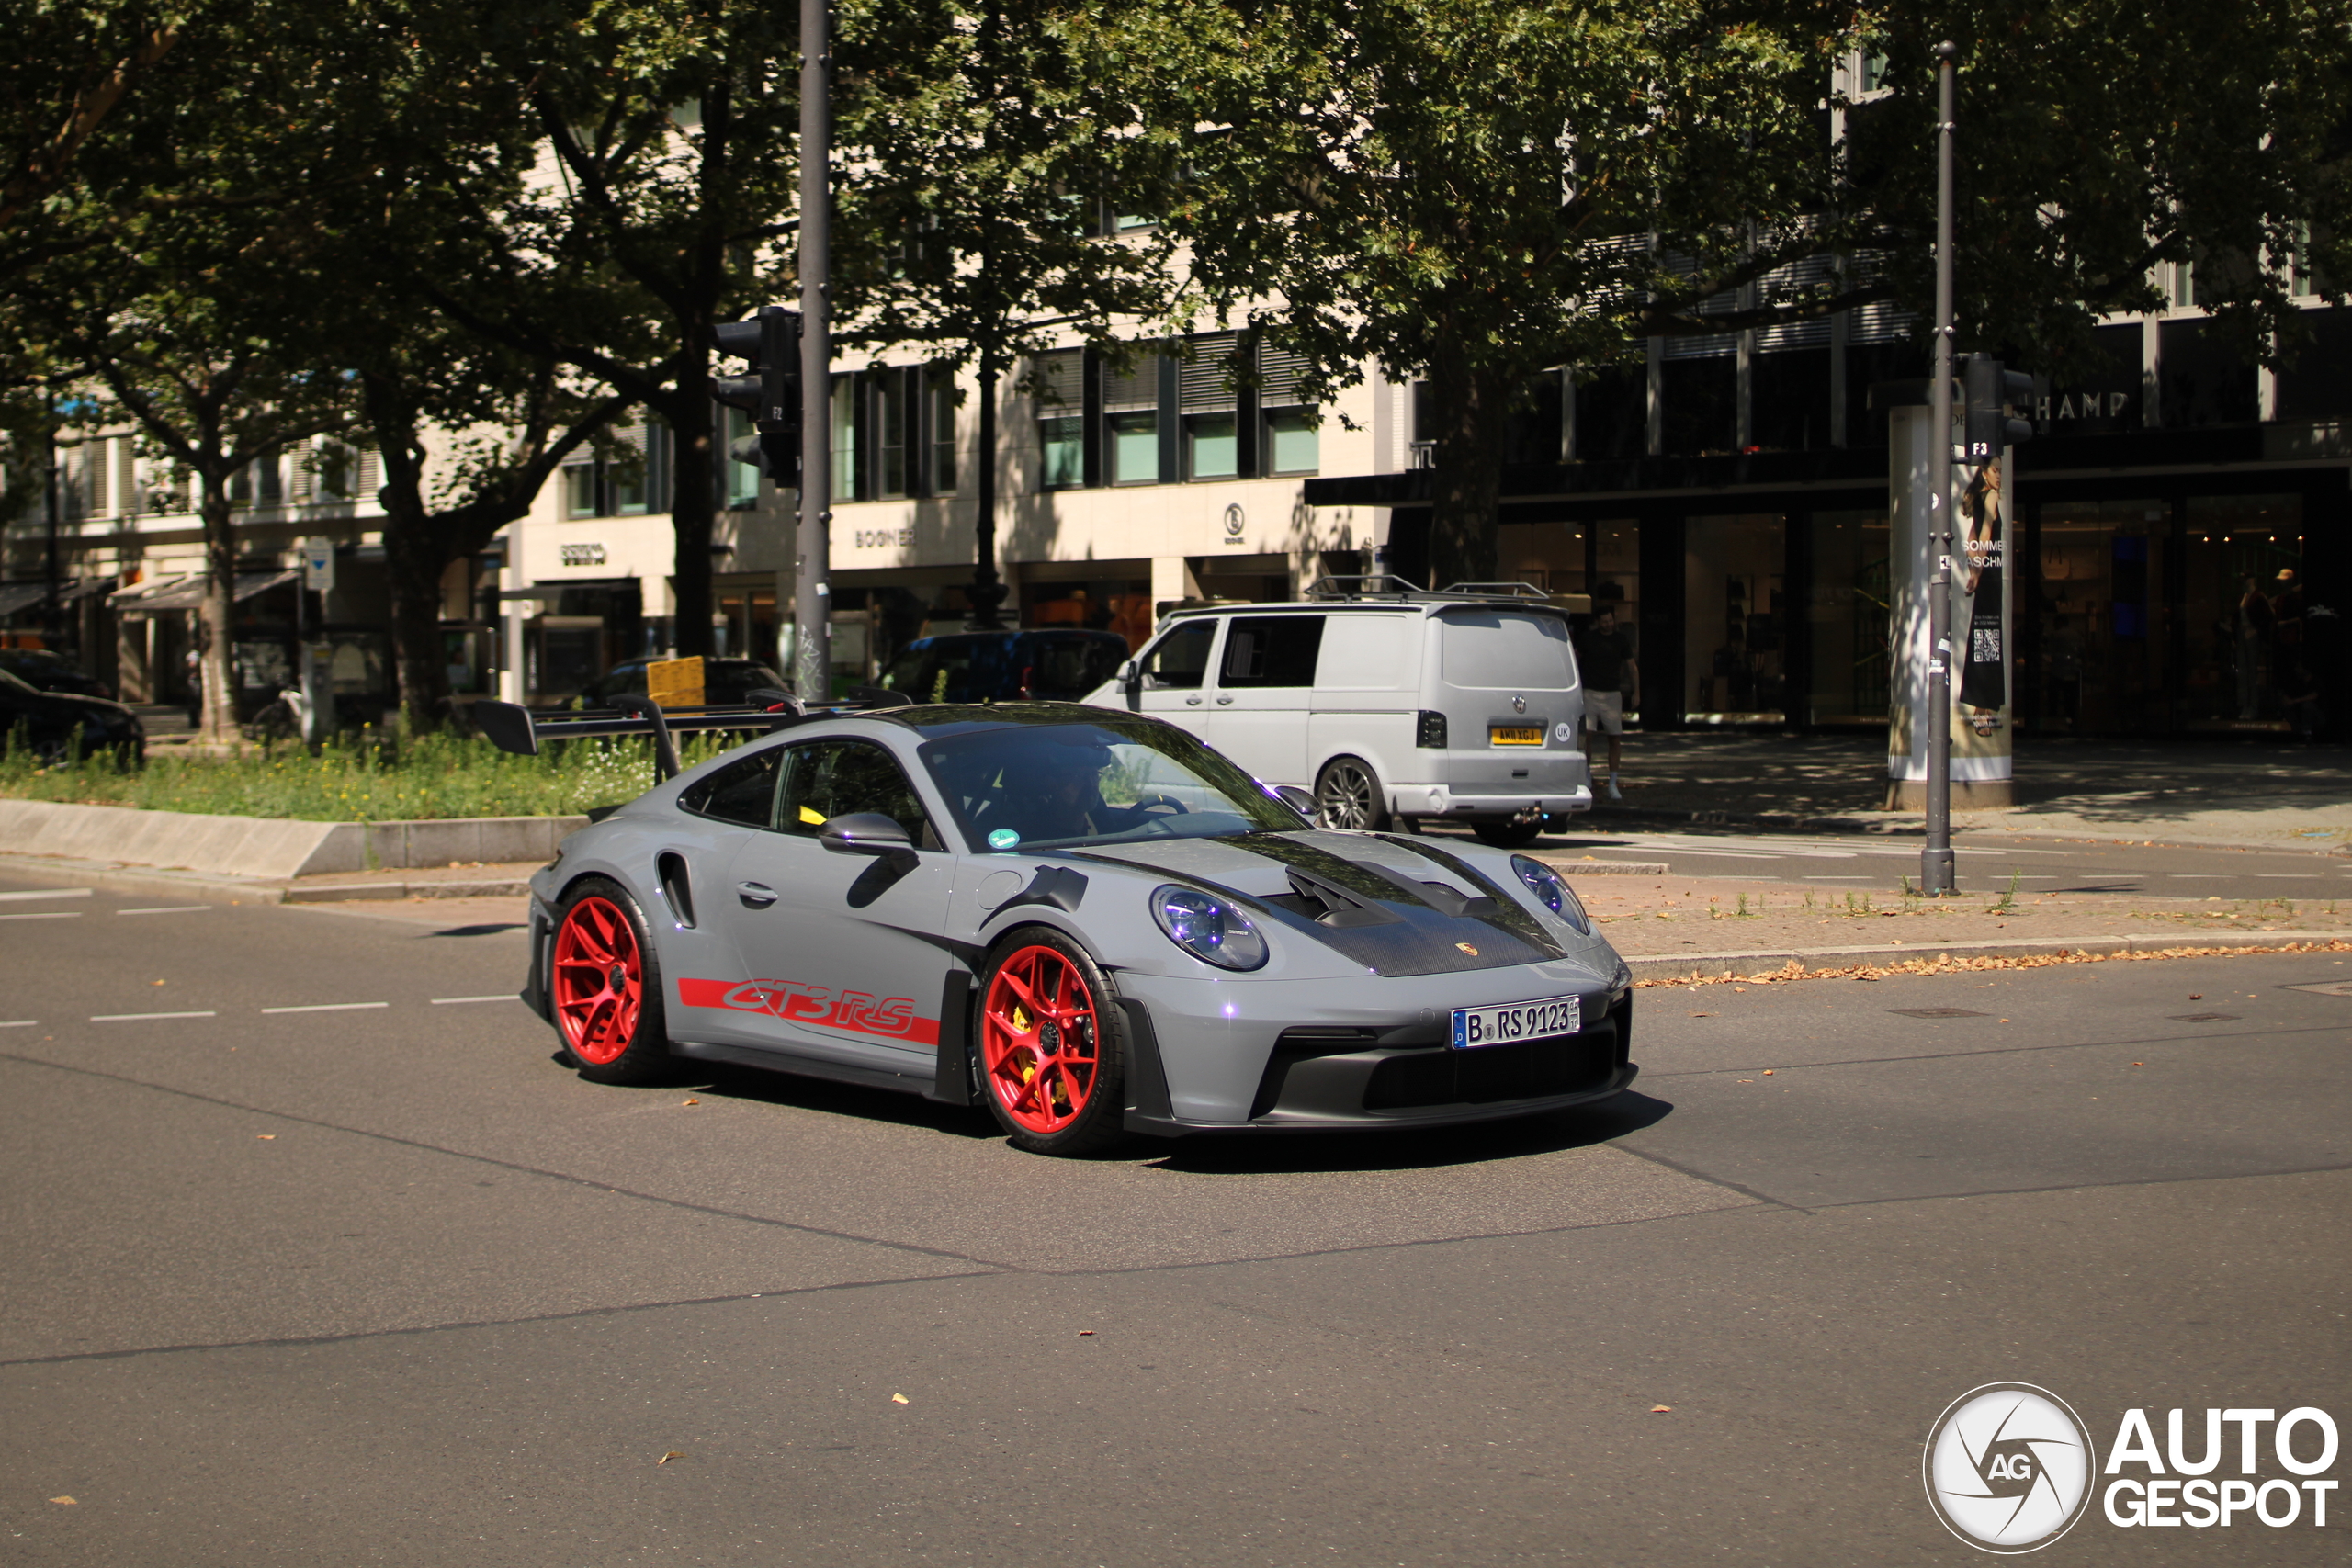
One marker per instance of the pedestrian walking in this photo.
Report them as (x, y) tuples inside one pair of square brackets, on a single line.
[(1611, 679)]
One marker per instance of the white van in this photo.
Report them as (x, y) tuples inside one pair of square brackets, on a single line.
[(1384, 701)]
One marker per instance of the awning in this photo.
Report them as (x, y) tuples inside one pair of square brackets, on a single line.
[(188, 592), (86, 587)]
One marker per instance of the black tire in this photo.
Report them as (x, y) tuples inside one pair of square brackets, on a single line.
[(1036, 1119), (1505, 834), (1349, 796), (627, 1042)]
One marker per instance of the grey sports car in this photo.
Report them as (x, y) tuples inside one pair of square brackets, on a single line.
[(1086, 920)]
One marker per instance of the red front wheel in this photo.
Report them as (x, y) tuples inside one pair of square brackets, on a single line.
[(1048, 1046), (606, 985)]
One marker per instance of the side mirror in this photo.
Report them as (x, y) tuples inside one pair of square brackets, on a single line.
[(863, 833), (1131, 683), (1297, 799)]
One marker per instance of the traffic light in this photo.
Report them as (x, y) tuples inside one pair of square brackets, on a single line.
[(1991, 388), (770, 394)]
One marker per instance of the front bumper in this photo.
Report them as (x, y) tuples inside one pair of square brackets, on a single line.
[(1332, 1076)]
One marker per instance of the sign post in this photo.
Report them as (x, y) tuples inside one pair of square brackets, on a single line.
[(1936, 878), (812, 597)]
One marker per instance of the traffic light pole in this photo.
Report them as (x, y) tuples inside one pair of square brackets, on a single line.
[(812, 597), (1936, 878)]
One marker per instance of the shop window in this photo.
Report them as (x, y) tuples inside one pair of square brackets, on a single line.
[(1734, 659), (2101, 630), (1847, 608), (1617, 587), (2251, 664), (1294, 443), (1550, 555)]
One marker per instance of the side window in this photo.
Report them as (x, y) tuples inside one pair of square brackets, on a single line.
[(743, 791), (1273, 650), (832, 778), (1179, 661)]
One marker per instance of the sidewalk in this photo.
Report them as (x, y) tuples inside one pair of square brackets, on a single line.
[(2188, 792)]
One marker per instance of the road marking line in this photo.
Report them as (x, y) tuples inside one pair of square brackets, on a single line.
[(137, 1016), (1838, 879), (174, 910), (453, 1001), (19, 1023), (63, 893), (331, 1007), (46, 915)]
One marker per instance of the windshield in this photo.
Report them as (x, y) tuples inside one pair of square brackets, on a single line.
[(1069, 785)]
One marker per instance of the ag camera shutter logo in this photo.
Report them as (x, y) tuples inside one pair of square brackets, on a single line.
[(2008, 1468)]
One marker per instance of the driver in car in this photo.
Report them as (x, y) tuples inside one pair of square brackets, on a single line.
[(1057, 794)]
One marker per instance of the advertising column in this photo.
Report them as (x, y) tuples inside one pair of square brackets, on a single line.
[(1980, 758)]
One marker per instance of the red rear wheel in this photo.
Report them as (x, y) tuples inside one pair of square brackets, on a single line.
[(599, 981), (1040, 1040)]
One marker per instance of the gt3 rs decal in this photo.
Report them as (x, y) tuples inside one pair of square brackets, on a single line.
[(795, 1001)]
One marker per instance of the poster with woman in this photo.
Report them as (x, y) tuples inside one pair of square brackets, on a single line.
[(1985, 663)]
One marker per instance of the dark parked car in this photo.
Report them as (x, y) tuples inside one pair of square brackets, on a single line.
[(1007, 667), (51, 723), (723, 680), (45, 670)]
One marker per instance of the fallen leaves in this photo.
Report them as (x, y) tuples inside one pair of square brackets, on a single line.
[(2196, 995), (1952, 964), (1660, 1409), (673, 1453), (1768, 1072), (1086, 1334), (1702, 1015), (68, 1502), (898, 1399), (265, 1137), (690, 1103)]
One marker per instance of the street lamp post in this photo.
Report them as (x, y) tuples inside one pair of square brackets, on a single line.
[(812, 598), (1936, 878)]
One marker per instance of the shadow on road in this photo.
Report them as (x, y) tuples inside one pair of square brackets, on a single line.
[(1248, 1155)]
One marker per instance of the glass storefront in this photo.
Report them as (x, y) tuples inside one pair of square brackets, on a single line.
[(1847, 605), (2247, 665), (1734, 657), (2103, 622)]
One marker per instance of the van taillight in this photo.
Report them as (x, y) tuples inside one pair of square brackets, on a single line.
[(1431, 733)]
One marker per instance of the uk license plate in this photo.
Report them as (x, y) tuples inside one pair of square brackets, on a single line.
[(1474, 1027), (1515, 735)]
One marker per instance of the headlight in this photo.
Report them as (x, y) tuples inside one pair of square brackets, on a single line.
[(1208, 928), (1554, 893)]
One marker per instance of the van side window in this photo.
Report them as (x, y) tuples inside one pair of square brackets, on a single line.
[(1177, 660), (1273, 650)]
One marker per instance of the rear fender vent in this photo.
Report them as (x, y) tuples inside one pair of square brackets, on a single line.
[(677, 888)]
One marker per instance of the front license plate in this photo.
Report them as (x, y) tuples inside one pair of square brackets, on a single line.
[(1474, 1027), (1515, 735)]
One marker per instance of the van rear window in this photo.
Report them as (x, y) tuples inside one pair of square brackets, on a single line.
[(1506, 650)]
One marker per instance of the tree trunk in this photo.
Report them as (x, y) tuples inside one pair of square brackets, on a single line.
[(1467, 481), (217, 620), (987, 591), (416, 555), (693, 508)]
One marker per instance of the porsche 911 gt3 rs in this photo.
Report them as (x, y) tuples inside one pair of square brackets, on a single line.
[(1089, 921)]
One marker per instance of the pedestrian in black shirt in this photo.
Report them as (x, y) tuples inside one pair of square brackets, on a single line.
[(1611, 679)]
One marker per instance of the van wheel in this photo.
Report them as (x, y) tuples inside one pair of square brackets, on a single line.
[(1348, 797), (1505, 834)]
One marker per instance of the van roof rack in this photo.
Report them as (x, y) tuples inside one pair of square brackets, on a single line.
[(1386, 585), (1497, 591), (1373, 585)]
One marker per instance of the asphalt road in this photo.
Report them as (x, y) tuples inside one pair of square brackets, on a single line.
[(1986, 863), (386, 1285)]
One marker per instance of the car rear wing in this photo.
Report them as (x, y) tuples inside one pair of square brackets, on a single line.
[(513, 727)]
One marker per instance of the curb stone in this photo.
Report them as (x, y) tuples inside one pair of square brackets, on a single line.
[(2023, 947)]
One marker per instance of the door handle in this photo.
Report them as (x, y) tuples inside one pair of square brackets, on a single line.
[(754, 895), (1192, 701), (1225, 702)]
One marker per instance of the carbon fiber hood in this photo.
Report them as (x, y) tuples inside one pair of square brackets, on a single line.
[(1370, 899)]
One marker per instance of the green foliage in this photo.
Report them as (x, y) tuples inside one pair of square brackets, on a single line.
[(364, 779)]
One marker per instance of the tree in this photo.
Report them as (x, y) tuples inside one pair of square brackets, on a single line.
[(67, 68), (992, 148), (666, 127)]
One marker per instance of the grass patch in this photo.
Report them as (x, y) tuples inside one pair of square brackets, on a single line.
[(373, 777)]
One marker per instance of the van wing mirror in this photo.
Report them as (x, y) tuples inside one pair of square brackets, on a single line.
[(1131, 682)]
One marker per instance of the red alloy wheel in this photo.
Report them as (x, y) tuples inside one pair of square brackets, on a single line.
[(1038, 1039), (599, 980)]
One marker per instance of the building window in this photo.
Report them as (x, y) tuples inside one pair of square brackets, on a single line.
[(892, 434), (1064, 442), (939, 388), (1293, 441), (1212, 447), (845, 445), (580, 490), (1131, 421), (740, 481)]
